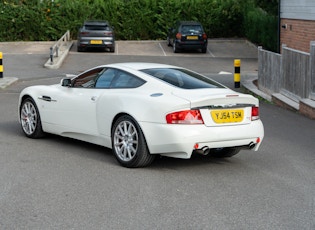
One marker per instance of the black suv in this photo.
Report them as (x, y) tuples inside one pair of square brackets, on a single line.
[(96, 34), (187, 35)]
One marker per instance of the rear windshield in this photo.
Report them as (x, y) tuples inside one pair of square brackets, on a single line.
[(96, 27), (182, 78), (191, 29)]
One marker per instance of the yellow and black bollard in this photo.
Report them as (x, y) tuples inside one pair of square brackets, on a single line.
[(237, 73), (1, 66)]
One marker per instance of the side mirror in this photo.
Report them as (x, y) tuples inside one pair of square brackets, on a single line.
[(66, 82)]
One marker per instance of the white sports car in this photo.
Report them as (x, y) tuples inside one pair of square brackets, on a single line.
[(141, 110)]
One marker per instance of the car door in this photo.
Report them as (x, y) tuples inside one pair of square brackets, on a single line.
[(73, 109)]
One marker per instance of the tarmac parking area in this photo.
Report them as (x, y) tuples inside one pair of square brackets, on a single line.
[(217, 48)]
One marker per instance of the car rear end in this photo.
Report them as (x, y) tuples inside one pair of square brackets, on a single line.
[(191, 35), (97, 34), (214, 122)]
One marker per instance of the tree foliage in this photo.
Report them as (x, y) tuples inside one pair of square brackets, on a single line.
[(43, 20)]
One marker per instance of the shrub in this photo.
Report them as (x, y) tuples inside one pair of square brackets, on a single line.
[(43, 20)]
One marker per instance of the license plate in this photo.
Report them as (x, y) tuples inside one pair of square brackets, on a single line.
[(192, 37), (96, 42), (227, 115)]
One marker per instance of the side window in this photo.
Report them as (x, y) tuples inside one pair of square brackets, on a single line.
[(126, 80), (105, 78), (87, 79)]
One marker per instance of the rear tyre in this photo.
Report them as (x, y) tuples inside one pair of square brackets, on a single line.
[(204, 50), (80, 49), (129, 145), (30, 119), (224, 152), (175, 48), (168, 41)]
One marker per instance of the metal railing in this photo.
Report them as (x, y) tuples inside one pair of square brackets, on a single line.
[(54, 50)]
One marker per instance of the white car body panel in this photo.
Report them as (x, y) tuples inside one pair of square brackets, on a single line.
[(88, 113)]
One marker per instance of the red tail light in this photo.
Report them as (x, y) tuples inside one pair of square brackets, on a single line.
[(184, 117), (178, 35), (204, 36), (84, 33), (255, 113)]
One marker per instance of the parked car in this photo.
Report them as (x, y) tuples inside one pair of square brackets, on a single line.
[(187, 35), (141, 110), (97, 34)]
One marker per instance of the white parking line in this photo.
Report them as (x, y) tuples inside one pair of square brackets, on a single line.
[(212, 55), (162, 49)]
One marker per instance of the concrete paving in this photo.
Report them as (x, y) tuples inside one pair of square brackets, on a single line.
[(217, 48)]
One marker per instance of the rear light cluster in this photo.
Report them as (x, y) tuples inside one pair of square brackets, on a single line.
[(179, 36), (255, 113), (184, 117), (194, 116)]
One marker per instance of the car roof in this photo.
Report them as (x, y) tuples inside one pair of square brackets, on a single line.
[(189, 23), (141, 65)]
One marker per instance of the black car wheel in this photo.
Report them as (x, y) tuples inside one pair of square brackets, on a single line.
[(128, 143), (168, 41), (204, 50), (175, 48), (30, 119), (80, 49)]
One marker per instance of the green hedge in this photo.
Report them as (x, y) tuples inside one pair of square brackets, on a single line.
[(43, 20)]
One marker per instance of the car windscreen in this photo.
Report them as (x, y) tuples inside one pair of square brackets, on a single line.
[(182, 78)]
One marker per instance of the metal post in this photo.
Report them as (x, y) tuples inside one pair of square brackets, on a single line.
[(1, 66), (57, 49), (51, 55), (237, 73)]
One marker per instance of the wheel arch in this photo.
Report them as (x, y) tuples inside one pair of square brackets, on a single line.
[(23, 98), (127, 114)]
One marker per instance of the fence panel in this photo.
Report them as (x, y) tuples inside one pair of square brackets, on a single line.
[(311, 80), (269, 66), (295, 70)]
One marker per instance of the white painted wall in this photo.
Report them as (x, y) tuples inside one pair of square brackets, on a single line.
[(297, 9)]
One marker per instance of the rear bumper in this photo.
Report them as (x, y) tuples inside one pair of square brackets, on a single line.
[(191, 44), (179, 140), (104, 44)]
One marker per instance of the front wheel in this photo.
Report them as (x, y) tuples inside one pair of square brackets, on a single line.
[(129, 145), (30, 119)]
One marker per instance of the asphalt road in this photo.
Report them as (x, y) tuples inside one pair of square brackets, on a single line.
[(60, 183)]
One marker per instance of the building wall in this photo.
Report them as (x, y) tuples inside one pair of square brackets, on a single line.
[(297, 34), (297, 9), (297, 23)]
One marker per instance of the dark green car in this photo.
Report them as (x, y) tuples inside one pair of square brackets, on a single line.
[(187, 35)]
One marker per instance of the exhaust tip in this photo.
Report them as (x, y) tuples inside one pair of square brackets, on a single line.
[(251, 145), (203, 151)]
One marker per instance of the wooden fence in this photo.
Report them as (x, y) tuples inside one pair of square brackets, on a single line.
[(291, 73)]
